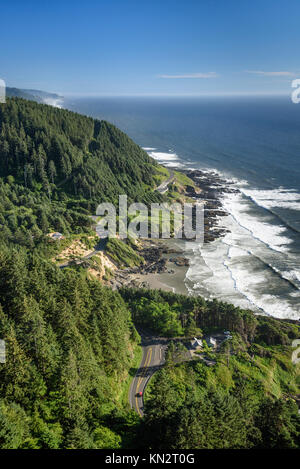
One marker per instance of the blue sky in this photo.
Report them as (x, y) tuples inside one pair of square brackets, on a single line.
[(179, 47)]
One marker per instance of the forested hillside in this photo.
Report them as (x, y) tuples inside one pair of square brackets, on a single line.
[(70, 343), (33, 95), (170, 314), (43, 147), (56, 166), (232, 404)]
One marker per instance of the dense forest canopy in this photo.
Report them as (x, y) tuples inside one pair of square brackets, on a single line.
[(69, 344), (56, 166), (43, 147), (171, 314)]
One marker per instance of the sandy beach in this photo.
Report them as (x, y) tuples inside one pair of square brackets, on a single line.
[(170, 278)]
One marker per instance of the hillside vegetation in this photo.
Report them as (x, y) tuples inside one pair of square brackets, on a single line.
[(70, 343), (170, 314), (56, 166)]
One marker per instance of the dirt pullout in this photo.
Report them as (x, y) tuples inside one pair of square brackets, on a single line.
[(76, 250)]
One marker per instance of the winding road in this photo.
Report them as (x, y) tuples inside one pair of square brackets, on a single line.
[(153, 358), (163, 187), (100, 247)]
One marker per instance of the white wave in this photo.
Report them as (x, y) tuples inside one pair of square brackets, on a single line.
[(260, 228), (292, 275), (274, 198), (148, 148), (161, 156), (227, 177), (173, 165), (235, 269), (250, 286)]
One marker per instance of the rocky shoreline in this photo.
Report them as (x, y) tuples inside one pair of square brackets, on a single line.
[(210, 188), (159, 257)]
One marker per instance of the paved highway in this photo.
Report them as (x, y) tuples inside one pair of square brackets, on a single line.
[(153, 357), (163, 187)]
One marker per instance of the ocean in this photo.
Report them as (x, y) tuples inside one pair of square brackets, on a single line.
[(254, 142)]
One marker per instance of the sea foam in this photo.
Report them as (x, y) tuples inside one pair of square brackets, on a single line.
[(253, 265), (269, 199)]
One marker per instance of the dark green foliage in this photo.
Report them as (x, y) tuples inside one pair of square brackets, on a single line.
[(193, 406), (208, 420), (271, 331), (158, 316), (190, 313), (279, 424), (68, 341), (25, 216), (184, 410), (45, 149), (56, 166), (122, 254)]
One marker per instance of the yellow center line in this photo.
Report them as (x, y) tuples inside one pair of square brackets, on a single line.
[(143, 373), (144, 370), (137, 407)]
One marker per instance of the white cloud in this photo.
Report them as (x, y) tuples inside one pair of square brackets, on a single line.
[(191, 75), (271, 74)]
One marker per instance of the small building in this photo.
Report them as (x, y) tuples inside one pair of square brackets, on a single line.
[(211, 342), (196, 343)]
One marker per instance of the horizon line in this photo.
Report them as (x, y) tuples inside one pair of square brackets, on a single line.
[(175, 95)]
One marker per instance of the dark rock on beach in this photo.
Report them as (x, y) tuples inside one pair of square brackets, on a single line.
[(180, 261), (210, 188)]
